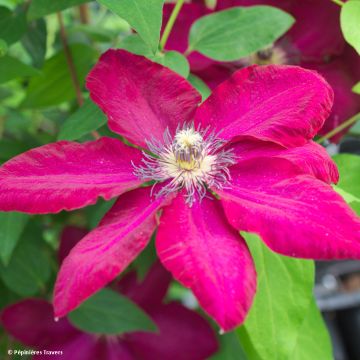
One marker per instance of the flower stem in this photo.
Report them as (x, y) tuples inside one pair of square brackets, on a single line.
[(71, 66), (84, 14), (339, 128), (338, 2), (170, 23)]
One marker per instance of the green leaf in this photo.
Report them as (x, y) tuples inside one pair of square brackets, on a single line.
[(349, 169), (229, 348), (349, 183), (12, 25), (356, 88), (94, 213), (108, 312), (171, 59), (12, 68), (34, 42), (136, 45), (144, 16), (240, 31), (95, 32), (284, 292), (313, 341), (54, 86), (200, 86), (349, 21), (174, 61), (3, 47), (11, 226), (146, 259), (40, 8), (211, 4), (29, 267), (86, 119)]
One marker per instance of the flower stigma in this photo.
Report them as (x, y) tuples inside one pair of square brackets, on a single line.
[(192, 159)]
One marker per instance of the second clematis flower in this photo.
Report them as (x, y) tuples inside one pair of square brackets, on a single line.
[(182, 333), (242, 160)]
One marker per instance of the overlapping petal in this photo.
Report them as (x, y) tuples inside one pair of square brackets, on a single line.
[(283, 104), (70, 236), (208, 256), (283, 4), (310, 158), (32, 322), (67, 175), (150, 292), (179, 328), (141, 98), (316, 32), (296, 215), (107, 250)]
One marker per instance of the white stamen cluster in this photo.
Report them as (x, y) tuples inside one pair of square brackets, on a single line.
[(192, 160)]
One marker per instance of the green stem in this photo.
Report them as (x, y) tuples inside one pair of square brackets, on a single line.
[(339, 128), (338, 2), (170, 23)]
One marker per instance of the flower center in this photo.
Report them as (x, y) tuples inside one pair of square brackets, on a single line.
[(270, 55), (192, 160)]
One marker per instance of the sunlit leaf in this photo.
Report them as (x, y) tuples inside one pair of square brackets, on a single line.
[(349, 183), (356, 88), (313, 341), (349, 21), (283, 296)]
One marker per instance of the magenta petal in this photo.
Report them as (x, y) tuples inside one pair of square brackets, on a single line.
[(140, 98), (310, 158), (106, 251), (151, 291), (183, 335), (31, 321), (208, 256), (70, 236), (67, 175), (283, 104), (296, 215)]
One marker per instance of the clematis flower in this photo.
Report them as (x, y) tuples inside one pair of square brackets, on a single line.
[(242, 160), (182, 334), (315, 41)]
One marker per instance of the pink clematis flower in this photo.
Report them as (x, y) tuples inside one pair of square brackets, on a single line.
[(315, 41), (182, 334), (249, 143)]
